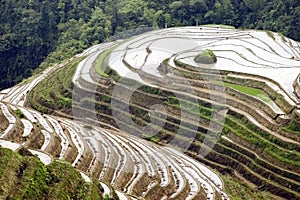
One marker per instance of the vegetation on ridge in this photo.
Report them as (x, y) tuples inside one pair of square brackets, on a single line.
[(206, 57), (54, 93), (26, 177)]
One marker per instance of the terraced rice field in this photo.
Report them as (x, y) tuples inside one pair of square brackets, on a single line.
[(148, 121), (124, 157)]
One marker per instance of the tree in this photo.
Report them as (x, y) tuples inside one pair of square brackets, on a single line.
[(97, 29), (294, 26), (131, 14)]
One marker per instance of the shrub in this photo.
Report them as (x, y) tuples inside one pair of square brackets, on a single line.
[(206, 57), (19, 114)]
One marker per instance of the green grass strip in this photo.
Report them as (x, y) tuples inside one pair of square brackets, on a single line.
[(248, 90), (101, 61), (219, 26), (257, 93)]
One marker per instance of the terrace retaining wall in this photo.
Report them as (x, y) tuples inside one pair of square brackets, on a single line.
[(277, 98), (297, 86)]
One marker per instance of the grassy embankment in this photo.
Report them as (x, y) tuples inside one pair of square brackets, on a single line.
[(257, 93), (23, 176), (54, 93), (219, 26), (102, 62)]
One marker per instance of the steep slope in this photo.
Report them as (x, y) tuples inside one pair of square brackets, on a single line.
[(134, 167), (234, 116), (252, 81), (23, 176)]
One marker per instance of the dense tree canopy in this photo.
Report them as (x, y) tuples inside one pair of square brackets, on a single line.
[(32, 30)]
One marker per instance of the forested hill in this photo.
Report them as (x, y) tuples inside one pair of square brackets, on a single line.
[(33, 31)]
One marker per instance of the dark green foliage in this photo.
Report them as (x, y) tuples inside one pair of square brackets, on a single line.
[(19, 113), (294, 125), (28, 30)]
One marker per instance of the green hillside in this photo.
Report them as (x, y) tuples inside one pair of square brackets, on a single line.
[(23, 176)]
